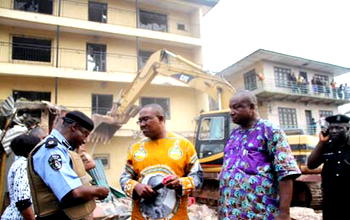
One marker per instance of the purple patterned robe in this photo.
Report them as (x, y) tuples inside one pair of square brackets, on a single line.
[(255, 160)]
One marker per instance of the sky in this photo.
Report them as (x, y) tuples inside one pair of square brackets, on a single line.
[(312, 29)]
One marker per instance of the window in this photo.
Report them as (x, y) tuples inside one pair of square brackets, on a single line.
[(287, 118), (32, 49), (41, 6), (250, 80), (101, 104), (164, 102), (98, 12), (282, 76), (96, 57), (212, 128), (153, 21), (104, 158), (31, 95), (181, 27), (143, 57), (325, 113)]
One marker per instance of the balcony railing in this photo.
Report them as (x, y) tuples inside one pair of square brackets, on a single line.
[(67, 58), (74, 58), (302, 89), (109, 14)]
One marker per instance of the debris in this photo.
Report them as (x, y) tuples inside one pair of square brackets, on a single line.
[(201, 212), (116, 209), (302, 213)]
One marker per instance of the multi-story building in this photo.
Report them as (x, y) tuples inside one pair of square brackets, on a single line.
[(80, 53), (292, 91)]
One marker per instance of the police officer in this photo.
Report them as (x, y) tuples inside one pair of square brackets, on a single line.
[(333, 151), (59, 184)]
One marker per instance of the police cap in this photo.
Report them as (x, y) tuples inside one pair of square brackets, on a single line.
[(80, 118), (337, 119)]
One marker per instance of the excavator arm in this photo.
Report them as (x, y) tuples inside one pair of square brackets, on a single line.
[(168, 64)]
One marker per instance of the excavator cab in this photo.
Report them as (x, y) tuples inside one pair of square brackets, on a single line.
[(213, 130)]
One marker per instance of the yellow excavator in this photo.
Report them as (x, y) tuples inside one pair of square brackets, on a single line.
[(164, 63)]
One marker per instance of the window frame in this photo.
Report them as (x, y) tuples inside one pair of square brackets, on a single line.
[(101, 6), (33, 49), (97, 109), (151, 13), (16, 6), (286, 114), (281, 76), (250, 82), (102, 54), (325, 113), (167, 111)]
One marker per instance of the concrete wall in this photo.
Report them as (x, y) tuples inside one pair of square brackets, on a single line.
[(271, 111)]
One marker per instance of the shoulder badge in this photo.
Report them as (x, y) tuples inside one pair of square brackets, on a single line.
[(51, 142), (55, 161)]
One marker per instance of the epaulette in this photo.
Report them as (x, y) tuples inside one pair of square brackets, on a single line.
[(51, 142)]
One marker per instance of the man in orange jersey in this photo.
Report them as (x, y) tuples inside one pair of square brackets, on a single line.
[(161, 170)]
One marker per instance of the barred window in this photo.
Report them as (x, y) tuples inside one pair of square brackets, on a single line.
[(250, 80), (40, 6), (31, 49), (164, 102), (287, 118), (101, 104), (153, 21), (282, 76), (97, 12), (96, 57), (325, 113)]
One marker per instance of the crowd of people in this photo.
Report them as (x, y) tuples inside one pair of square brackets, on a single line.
[(49, 179), (318, 86)]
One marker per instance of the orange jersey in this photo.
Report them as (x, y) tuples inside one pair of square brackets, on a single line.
[(151, 160)]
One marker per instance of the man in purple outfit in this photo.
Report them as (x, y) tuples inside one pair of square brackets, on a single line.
[(256, 181)]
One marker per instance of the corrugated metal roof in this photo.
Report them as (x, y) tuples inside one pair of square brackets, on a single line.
[(265, 55)]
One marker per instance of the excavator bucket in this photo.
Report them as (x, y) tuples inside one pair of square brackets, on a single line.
[(107, 125)]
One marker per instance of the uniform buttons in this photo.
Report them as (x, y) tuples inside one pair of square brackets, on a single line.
[(337, 174)]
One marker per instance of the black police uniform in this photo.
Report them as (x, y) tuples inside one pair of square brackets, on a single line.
[(336, 182), (336, 177)]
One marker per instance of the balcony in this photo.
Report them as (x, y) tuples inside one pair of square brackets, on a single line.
[(93, 63), (270, 89), (123, 15)]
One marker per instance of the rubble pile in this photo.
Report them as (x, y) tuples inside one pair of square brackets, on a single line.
[(202, 212), (301, 213), (116, 209)]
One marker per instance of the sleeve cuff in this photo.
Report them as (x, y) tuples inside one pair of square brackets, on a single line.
[(129, 187), (23, 204), (187, 184), (290, 175)]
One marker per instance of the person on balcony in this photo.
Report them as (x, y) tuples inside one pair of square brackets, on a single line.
[(334, 88)]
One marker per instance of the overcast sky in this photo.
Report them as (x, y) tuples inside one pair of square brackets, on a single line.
[(311, 29)]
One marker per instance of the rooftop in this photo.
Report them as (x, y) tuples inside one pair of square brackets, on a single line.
[(275, 57)]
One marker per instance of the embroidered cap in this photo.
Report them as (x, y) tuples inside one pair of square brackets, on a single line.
[(80, 118), (337, 119)]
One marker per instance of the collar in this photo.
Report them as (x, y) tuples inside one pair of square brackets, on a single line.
[(60, 138)]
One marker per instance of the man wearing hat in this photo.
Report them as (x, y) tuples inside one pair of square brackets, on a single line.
[(333, 151), (60, 187)]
